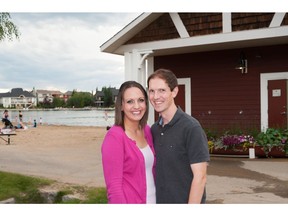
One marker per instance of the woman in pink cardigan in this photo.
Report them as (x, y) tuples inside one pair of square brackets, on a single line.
[(128, 156)]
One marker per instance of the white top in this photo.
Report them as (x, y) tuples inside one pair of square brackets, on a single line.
[(149, 160)]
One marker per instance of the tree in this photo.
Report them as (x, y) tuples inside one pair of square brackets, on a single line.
[(80, 99), (7, 28), (58, 102), (108, 98)]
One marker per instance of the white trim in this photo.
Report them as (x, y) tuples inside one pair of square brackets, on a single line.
[(264, 78), (179, 25), (135, 65), (277, 19), (187, 83), (227, 22), (128, 31), (128, 65), (267, 36), (150, 70), (273, 35)]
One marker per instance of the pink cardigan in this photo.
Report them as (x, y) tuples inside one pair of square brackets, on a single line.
[(124, 166)]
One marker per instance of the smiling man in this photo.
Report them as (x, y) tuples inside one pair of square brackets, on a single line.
[(180, 145)]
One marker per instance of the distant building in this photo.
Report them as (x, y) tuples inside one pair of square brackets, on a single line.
[(17, 98), (99, 96), (67, 95), (48, 95)]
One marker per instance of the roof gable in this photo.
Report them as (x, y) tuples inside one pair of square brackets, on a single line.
[(171, 33), (129, 31)]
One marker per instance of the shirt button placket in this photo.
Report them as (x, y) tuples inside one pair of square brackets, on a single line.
[(161, 138)]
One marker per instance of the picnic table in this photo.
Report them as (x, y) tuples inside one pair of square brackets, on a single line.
[(7, 140)]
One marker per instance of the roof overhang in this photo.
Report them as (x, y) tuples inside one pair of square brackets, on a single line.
[(128, 32), (231, 40)]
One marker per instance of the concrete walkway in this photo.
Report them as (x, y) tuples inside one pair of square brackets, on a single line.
[(230, 180), (247, 181)]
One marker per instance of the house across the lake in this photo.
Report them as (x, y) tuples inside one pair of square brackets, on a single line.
[(48, 95), (17, 98), (99, 96), (232, 67)]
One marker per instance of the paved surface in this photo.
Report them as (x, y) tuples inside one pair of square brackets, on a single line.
[(255, 181), (230, 180)]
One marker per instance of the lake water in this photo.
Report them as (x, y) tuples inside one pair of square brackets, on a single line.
[(66, 117)]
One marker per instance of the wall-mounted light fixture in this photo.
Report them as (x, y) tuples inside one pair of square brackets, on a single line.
[(242, 64)]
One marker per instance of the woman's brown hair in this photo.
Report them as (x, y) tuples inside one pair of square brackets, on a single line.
[(119, 114)]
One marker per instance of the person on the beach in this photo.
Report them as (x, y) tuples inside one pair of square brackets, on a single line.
[(20, 116), (21, 125), (5, 120), (128, 156), (180, 144)]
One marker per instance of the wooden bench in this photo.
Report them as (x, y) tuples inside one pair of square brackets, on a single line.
[(8, 137)]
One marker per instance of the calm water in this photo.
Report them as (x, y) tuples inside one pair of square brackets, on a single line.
[(66, 117)]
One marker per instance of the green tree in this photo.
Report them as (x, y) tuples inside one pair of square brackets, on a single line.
[(7, 28), (108, 98), (80, 99), (58, 102)]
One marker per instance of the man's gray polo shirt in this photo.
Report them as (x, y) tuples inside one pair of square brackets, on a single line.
[(178, 144)]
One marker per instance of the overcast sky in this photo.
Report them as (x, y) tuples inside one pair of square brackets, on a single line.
[(61, 51)]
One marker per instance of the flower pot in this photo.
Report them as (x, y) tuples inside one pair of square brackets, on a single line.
[(232, 151), (259, 152), (276, 152)]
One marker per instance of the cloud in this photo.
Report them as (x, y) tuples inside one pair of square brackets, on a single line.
[(61, 51)]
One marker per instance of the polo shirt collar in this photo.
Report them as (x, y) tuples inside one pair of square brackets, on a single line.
[(175, 118)]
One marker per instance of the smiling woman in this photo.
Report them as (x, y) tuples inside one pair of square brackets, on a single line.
[(128, 156)]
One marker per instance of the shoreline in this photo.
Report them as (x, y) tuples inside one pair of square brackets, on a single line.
[(80, 117), (59, 108)]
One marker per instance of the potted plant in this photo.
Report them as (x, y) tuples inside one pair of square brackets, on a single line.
[(231, 144), (273, 142)]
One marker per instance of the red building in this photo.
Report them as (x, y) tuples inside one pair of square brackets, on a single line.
[(204, 50)]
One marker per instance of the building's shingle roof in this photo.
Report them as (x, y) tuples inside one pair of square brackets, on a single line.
[(53, 92), (17, 92), (113, 90)]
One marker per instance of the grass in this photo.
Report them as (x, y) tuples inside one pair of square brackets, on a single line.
[(25, 189)]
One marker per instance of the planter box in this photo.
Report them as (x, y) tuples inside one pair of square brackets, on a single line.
[(235, 151), (276, 152)]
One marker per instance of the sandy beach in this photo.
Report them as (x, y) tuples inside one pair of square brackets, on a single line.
[(72, 155), (64, 153)]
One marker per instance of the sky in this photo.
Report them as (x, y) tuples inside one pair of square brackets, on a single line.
[(59, 46), (61, 51)]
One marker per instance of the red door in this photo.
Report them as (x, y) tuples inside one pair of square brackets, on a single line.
[(277, 103), (180, 98)]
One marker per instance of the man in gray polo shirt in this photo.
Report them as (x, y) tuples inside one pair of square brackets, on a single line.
[(180, 144)]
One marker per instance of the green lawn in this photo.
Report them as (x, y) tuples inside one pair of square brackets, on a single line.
[(25, 189)]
